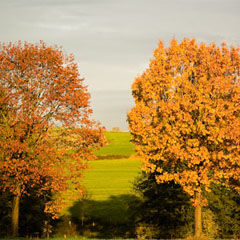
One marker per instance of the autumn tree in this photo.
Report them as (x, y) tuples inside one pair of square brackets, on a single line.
[(186, 118), (46, 133)]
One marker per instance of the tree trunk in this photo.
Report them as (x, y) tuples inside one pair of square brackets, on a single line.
[(198, 216), (15, 213)]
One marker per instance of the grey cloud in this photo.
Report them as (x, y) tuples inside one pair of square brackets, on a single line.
[(113, 40)]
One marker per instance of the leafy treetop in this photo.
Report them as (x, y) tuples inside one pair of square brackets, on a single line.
[(40, 88), (186, 118)]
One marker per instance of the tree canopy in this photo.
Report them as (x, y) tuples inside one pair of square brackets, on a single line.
[(186, 119), (46, 133)]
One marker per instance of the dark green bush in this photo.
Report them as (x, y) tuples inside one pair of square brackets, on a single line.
[(168, 209), (165, 207), (31, 216)]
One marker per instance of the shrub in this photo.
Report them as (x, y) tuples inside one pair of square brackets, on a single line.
[(146, 231)]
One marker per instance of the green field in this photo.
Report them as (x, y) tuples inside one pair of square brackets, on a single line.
[(111, 177), (109, 187), (119, 145)]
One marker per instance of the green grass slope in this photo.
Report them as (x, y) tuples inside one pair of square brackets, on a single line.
[(119, 145), (110, 191), (114, 174), (111, 177), (109, 187)]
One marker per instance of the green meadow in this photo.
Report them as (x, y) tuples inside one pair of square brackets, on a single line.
[(119, 145), (109, 189), (111, 177)]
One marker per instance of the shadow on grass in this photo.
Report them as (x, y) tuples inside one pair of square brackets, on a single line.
[(114, 217)]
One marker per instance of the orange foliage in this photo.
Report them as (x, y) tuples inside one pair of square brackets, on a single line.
[(186, 118), (40, 87)]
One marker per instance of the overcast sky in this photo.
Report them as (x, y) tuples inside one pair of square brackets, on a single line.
[(113, 40)]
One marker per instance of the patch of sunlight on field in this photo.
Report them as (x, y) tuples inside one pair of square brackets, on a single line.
[(111, 177)]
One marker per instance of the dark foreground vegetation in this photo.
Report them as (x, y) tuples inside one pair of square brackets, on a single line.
[(157, 211)]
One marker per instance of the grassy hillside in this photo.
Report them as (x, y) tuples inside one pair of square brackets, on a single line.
[(109, 188), (111, 177), (119, 145), (109, 185)]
